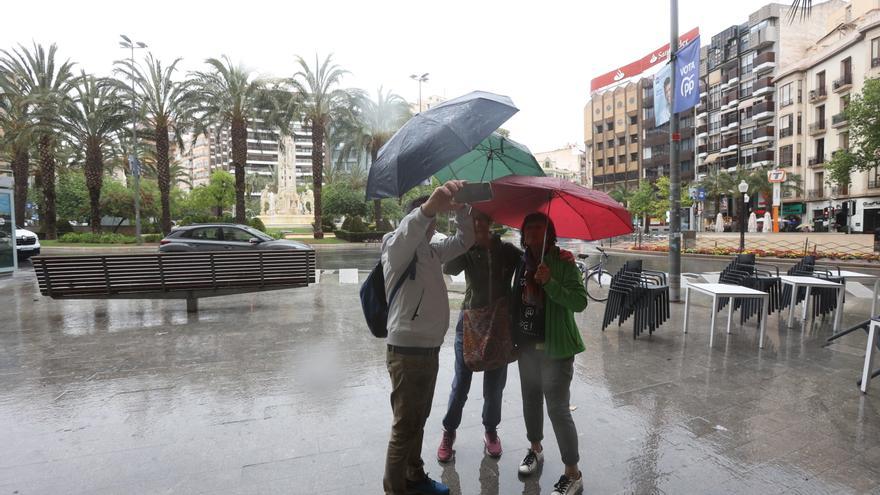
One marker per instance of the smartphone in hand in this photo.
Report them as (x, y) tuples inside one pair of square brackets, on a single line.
[(474, 192)]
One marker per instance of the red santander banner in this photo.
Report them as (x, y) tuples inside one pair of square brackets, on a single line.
[(635, 68)]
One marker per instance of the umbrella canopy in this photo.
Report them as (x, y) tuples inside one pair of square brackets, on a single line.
[(433, 139), (719, 222), (753, 222), (768, 222), (496, 157), (577, 212)]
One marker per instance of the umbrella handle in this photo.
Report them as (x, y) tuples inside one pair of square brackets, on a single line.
[(546, 227)]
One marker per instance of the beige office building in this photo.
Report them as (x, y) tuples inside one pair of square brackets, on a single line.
[(612, 135)]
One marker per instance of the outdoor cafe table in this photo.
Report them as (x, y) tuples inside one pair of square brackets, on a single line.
[(729, 291), (849, 276), (796, 282)]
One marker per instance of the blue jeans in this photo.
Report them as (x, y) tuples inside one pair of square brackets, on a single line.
[(493, 389)]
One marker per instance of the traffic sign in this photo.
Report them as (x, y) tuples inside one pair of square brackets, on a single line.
[(776, 175)]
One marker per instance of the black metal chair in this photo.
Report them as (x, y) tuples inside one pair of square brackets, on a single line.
[(746, 272), (640, 294), (824, 299)]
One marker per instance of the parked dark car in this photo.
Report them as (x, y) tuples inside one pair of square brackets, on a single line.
[(222, 237)]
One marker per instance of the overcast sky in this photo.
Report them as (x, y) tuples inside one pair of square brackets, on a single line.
[(541, 54)]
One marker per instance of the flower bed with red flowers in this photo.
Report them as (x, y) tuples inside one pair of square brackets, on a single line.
[(766, 253)]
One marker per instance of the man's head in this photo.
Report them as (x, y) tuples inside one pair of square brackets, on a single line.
[(482, 229), (667, 90), (417, 203)]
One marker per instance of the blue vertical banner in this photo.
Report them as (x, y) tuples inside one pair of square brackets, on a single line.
[(662, 95), (687, 76)]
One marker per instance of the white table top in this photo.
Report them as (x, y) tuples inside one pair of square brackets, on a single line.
[(849, 274), (811, 281), (727, 290)]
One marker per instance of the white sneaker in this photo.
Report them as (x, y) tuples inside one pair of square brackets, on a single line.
[(531, 462), (568, 486)]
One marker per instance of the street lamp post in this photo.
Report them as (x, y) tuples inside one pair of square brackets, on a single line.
[(132, 159), (420, 79), (743, 189)]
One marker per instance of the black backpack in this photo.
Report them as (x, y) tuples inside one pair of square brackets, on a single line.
[(373, 300)]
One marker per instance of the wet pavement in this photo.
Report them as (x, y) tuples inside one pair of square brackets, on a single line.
[(286, 392)]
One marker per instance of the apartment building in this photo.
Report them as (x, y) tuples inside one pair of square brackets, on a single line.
[(737, 111), (813, 93)]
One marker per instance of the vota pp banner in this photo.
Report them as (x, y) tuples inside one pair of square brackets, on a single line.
[(641, 65)]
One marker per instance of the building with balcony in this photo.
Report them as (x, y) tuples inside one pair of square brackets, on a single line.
[(737, 116), (813, 92)]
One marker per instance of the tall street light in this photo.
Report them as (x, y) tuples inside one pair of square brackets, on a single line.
[(420, 79), (743, 189), (132, 157)]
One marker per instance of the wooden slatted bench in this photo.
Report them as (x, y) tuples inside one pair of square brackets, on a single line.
[(173, 275)]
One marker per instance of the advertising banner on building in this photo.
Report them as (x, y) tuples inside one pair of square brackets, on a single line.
[(635, 68), (662, 95), (687, 77)]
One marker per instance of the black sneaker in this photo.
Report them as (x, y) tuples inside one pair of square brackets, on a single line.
[(568, 486), (531, 462)]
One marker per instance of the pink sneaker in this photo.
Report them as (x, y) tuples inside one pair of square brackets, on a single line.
[(445, 452), (493, 444)]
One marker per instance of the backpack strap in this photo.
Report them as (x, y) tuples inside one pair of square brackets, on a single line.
[(409, 272)]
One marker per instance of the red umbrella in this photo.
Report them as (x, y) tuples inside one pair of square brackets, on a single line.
[(577, 212)]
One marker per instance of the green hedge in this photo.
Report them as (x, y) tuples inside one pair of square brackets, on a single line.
[(90, 238), (152, 237), (359, 236)]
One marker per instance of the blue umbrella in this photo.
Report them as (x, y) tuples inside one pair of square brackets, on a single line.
[(433, 139)]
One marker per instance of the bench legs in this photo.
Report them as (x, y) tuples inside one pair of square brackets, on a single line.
[(192, 304)]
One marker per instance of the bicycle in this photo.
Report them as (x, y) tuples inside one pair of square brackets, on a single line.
[(597, 280)]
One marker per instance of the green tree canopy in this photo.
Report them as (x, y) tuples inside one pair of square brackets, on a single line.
[(864, 139)]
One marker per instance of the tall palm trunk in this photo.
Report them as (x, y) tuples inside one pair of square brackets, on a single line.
[(47, 174), (377, 203), (163, 174), (20, 166), (317, 173), (94, 172), (239, 158)]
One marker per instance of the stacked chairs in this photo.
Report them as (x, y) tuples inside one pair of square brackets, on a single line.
[(640, 294), (746, 272), (824, 299)]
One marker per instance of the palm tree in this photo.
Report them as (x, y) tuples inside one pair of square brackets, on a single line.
[(167, 106), (37, 81), (374, 122), (92, 124), (231, 95), (16, 138), (321, 102)]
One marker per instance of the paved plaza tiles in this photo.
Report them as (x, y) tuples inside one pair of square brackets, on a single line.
[(286, 392)]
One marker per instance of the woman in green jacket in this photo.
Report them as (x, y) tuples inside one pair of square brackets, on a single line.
[(547, 293)]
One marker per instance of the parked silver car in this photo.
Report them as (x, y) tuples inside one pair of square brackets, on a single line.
[(222, 237)]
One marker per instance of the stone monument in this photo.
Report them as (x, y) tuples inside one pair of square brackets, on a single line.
[(285, 208)]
